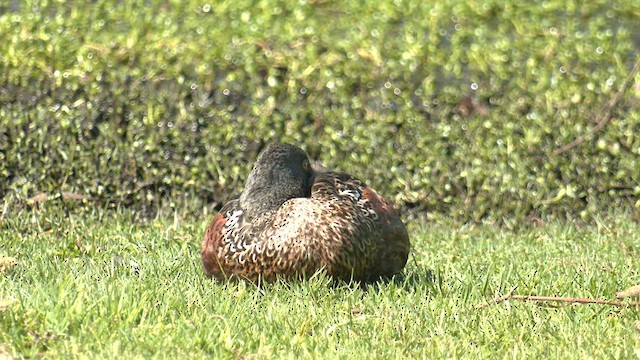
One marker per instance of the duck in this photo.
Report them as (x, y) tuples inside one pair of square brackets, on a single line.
[(294, 219)]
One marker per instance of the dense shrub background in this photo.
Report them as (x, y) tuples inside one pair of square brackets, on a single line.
[(451, 107)]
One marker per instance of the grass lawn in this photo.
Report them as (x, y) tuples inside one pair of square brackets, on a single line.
[(458, 108), (99, 284)]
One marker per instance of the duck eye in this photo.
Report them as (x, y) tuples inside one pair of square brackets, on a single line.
[(305, 165)]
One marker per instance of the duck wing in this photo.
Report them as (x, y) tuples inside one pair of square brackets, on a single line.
[(364, 236), (221, 230)]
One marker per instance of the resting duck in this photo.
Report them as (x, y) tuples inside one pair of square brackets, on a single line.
[(292, 220)]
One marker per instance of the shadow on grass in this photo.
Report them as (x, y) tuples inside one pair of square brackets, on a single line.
[(417, 278), (410, 281)]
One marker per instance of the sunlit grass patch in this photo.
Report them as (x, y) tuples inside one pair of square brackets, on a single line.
[(105, 285)]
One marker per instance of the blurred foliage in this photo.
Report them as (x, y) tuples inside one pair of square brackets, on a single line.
[(450, 107)]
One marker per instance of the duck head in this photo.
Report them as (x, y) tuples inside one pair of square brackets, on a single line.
[(282, 172)]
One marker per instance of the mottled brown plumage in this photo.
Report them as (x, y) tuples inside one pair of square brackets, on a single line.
[(291, 221)]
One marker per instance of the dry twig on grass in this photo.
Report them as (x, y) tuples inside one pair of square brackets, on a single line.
[(497, 300), (633, 291), (64, 195), (571, 300), (6, 263)]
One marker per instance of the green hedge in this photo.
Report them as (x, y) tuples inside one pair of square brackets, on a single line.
[(450, 107)]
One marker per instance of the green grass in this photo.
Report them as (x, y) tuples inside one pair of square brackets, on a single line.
[(101, 284), (147, 105)]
